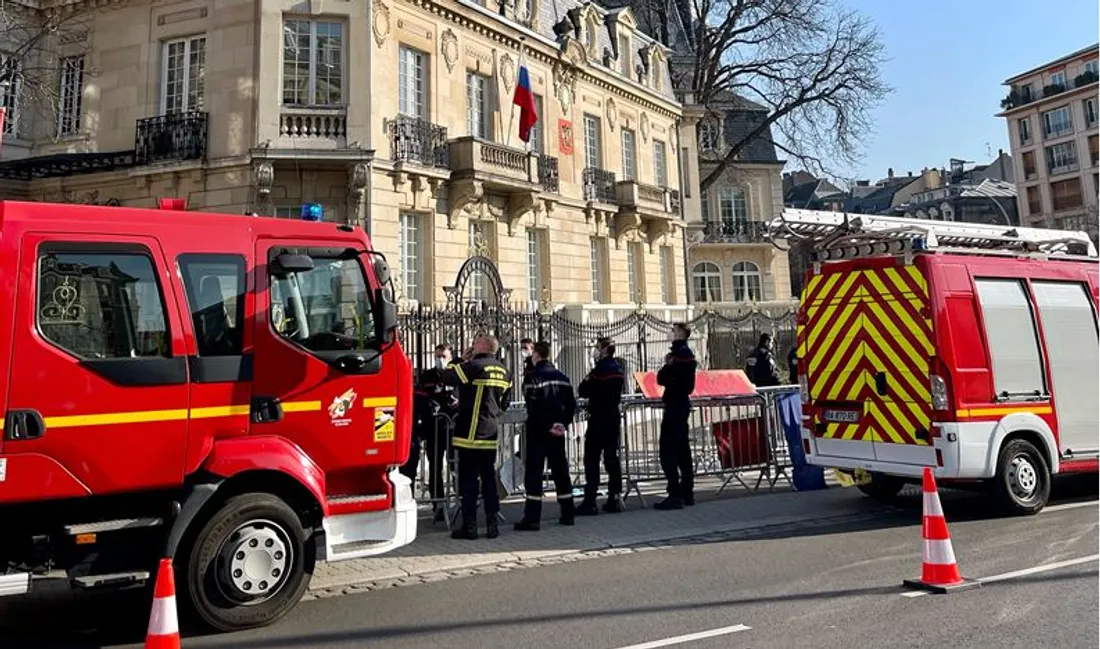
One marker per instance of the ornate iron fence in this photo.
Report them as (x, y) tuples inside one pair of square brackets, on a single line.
[(721, 340)]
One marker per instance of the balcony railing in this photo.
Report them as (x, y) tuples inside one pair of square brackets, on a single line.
[(313, 123), (418, 141), (599, 185), (734, 232), (548, 173), (177, 136)]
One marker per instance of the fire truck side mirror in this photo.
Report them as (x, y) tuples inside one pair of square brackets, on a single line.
[(385, 315)]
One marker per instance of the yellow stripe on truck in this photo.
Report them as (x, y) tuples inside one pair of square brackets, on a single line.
[(380, 402), (1003, 411), (153, 416)]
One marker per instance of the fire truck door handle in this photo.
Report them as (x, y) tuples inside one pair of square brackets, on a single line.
[(266, 410), (23, 424), (880, 383)]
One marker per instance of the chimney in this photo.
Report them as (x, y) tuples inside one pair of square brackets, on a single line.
[(890, 172), (910, 174)]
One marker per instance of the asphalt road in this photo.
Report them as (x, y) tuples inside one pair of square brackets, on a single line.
[(791, 587)]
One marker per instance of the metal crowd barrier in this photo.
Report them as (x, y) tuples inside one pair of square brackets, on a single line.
[(736, 438)]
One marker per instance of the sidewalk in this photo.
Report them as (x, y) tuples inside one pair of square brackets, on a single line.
[(434, 551)]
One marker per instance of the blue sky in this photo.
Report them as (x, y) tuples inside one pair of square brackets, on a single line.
[(947, 59)]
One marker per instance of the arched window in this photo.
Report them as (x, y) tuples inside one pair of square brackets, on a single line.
[(706, 282), (746, 282)]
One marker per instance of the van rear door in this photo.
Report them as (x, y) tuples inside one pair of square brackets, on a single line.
[(867, 344)]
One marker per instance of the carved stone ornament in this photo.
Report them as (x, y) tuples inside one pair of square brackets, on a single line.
[(381, 19), (507, 72), (644, 127), (448, 47), (565, 85), (519, 205), (466, 198), (264, 177), (574, 52), (612, 112)]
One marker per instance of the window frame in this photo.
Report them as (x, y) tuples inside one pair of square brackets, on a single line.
[(1029, 301), (418, 221), (1089, 105), (1023, 130), (313, 56), (10, 98), (630, 171), (185, 89), (323, 254), (423, 83), (660, 164), (706, 274), (1080, 194), (70, 95), (534, 257), (597, 262), (1068, 156), (486, 112), (593, 144), (1068, 130), (132, 371), (729, 195), (218, 368), (740, 274), (664, 258)]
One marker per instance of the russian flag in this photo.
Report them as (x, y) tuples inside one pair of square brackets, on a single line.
[(525, 99)]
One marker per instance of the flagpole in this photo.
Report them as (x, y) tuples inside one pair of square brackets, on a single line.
[(512, 119)]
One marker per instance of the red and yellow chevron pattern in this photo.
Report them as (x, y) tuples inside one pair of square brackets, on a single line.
[(861, 323)]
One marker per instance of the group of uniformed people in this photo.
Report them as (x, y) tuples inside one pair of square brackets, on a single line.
[(475, 391)]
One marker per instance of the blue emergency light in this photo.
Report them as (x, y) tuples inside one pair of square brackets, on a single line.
[(312, 212)]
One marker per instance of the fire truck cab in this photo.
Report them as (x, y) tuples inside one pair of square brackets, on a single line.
[(224, 390), (969, 348)]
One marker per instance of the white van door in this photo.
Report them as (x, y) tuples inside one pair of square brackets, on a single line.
[(1070, 334)]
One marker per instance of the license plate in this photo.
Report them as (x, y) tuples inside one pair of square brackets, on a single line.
[(841, 416)]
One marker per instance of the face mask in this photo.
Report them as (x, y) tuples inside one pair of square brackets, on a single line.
[(441, 363), (596, 355), (526, 353)]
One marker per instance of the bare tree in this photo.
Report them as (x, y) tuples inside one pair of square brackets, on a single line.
[(39, 43), (812, 64)]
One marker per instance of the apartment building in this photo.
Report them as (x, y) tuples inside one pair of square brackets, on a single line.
[(395, 114), (1051, 114), (730, 260)]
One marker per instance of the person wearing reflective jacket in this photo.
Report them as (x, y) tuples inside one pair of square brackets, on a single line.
[(678, 378), (603, 387), (483, 385), (551, 406)]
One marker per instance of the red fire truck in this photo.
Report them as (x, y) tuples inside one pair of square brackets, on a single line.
[(224, 390), (969, 348)]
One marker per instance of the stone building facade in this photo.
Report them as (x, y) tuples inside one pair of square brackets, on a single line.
[(394, 114)]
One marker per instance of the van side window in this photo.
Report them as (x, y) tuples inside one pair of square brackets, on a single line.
[(326, 309), (215, 293), (1012, 338), (101, 305)]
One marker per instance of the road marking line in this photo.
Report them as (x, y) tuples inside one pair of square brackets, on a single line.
[(691, 637), (1021, 573), (1062, 507)]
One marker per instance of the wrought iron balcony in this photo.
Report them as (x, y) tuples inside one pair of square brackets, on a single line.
[(418, 141), (599, 185), (548, 173), (177, 136), (734, 232)]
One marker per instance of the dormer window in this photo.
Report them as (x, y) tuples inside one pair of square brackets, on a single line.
[(708, 135), (592, 35), (625, 55)]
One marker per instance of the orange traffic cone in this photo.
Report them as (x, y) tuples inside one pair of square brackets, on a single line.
[(939, 571), (164, 630)]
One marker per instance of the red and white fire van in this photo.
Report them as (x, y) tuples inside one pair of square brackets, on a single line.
[(968, 348)]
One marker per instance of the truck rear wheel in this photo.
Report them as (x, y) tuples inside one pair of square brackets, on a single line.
[(882, 487), (1022, 483), (248, 565)]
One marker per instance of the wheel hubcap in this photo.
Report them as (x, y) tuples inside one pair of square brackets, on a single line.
[(1022, 477), (254, 560)]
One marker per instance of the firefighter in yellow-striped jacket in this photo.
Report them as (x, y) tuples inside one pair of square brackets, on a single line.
[(483, 386)]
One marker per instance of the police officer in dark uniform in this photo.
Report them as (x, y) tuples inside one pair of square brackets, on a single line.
[(678, 378), (603, 387), (551, 406), (483, 387), (765, 372)]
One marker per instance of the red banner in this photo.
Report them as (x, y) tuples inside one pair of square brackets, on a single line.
[(708, 383)]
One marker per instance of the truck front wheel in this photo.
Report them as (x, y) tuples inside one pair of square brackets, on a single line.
[(1022, 483), (248, 565)]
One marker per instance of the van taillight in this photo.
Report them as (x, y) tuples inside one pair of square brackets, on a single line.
[(939, 392), (804, 388)]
